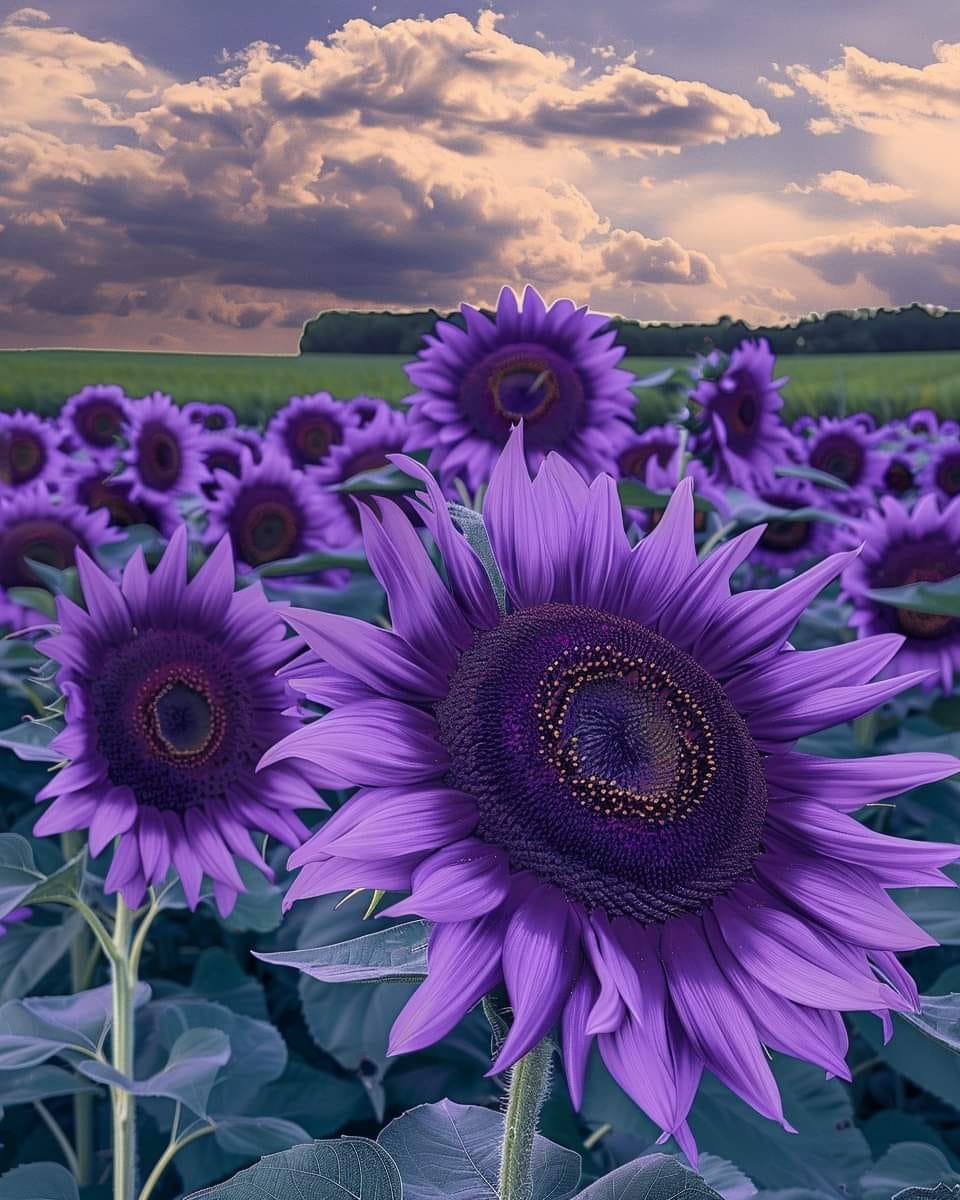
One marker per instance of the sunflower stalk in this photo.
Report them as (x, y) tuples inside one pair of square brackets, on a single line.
[(527, 1090), (83, 955), (122, 1046)]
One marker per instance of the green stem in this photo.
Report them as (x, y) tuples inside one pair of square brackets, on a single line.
[(60, 1137), (174, 1146), (81, 949), (716, 538), (529, 1083), (121, 1046)]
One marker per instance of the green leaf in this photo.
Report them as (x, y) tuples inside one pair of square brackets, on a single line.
[(384, 481), (470, 523), (446, 1149), (36, 598), (26, 955), (37, 1028), (653, 1177), (42, 1083), (18, 872), (905, 1164), (942, 1191), (725, 1178), (398, 952), (219, 977), (38, 1181), (62, 886), (751, 510), (362, 597), (941, 598), (61, 583), (30, 740), (821, 478), (249, 1136), (345, 1169), (114, 555), (634, 494), (310, 564)]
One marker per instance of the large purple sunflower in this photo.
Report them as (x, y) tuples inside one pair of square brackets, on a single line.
[(552, 368), (941, 472), (91, 486), (741, 402), (270, 511), (28, 452), (171, 698), (307, 428), (163, 459), (96, 417), (841, 446), (365, 448), (901, 547), (34, 525), (596, 797)]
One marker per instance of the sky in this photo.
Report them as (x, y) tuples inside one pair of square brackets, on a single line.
[(207, 176)]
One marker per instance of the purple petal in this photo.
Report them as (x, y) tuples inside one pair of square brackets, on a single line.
[(463, 880)]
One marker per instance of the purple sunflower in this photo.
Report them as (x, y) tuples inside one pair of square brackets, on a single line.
[(270, 511), (841, 446), (307, 428), (172, 696), (552, 368), (785, 545), (28, 452), (658, 444), (365, 408), (904, 546), (35, 525), (163, 459), (251, 438), (941, 472), (596, 795), (212, 417), (741, 404), (898, 475), (222, 452), (366, 448), (91, 486), (96, 417), (664, 478)]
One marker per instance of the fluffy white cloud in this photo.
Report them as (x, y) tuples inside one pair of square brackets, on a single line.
[(855, 188)]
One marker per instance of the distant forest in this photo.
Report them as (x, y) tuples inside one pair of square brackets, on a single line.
[(851, 331)]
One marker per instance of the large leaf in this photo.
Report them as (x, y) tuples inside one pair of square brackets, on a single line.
[(397, 952), (40, 1083), (382, 482), (250, 1136), (188, 1076), (219, 977), (812, 475), (26, 955), (935, 909), (942, 1191), (634, 494), (346, 1169), (726, 1179), (941, 598), (18, 872), (39, 1027), (905, 1164), (38, 1181), (653, 1177), (450, 1151), (30, 740), (311, 564)]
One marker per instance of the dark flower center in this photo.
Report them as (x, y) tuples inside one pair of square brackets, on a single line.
[(221, 459), (214, 421), (309, 438), (744, 414), (948, 474), (159, 458), (115, 498), (22, 457), (265, 525), (898, 478), (919, 562), (840, 455), (633, 461), (100, 423), (525, 382), (173, 719), (785, 535), (42, 539), (605, 760)]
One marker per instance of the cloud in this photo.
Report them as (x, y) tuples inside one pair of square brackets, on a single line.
[(776, 88), (421, 162), (879, 97), (854, 188)]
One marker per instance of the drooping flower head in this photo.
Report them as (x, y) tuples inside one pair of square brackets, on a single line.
[(91, 486), (28, 452), (741, 402), (171, 698), (363, 449), (96, 418), (785, 544), (211, 417), (658, 443), (307, 428), (923, 423), (163, 459), (595, 794), (552, 368), (941, 472), (222, 452), (902, 547), (841, 446), (35, 525), (270, 511)]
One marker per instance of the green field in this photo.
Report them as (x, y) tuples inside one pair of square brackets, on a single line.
[(886, 384)]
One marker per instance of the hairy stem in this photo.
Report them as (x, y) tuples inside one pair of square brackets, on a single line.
[(81, 949), (60, 1137), (121, 1046), (174, 1146), (529, 1083)]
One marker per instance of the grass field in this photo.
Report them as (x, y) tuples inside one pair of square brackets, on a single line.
[(886, 384)]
